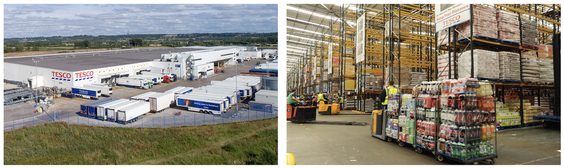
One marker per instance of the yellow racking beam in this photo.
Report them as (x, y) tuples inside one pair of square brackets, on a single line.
[(528, 13)]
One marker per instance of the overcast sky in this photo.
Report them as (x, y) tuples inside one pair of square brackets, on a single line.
[(68, 20)]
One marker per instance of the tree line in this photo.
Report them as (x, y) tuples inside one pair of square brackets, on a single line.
[(137, 40)]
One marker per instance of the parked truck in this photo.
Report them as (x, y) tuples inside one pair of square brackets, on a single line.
[(161, 101), (157, 79), (132, 113), (84, 106), (105, 90), (201, 105), (135, 83), (111, 111), (184, 91), (247, 90), (86, 92), (167, 78), (101, 109)]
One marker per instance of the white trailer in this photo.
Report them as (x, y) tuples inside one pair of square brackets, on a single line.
[(86, 92), (208, 106), (184, 91), (237, 93), (230, 100), (105, 90), (161, 101), (134, 82), (111, 111), (176, 89), (248, 91), (232, 95), (267, 96), (132, 113), (141, 96), (101, 109)]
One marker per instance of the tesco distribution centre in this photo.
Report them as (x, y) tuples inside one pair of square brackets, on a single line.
[(67, 70)]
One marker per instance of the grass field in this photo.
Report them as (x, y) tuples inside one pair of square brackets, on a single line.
[(253, 142)]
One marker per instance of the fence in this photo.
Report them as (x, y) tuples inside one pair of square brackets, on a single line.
[(149, 120)]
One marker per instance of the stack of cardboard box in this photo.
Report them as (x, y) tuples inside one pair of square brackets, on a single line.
[(509, 66), (486, 64)]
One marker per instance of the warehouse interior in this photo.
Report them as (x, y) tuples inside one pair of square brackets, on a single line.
[(476, 84)]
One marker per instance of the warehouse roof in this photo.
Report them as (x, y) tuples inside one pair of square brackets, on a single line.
[(92, 60)]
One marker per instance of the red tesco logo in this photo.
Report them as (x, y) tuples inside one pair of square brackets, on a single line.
[(84, 74), (61, 74)]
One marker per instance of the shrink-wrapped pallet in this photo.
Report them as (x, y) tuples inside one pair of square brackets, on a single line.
[(509, 66), (545, 50), (416, 78), (546, 70), (508, 26), (531, 70), (395, 27), (443, 66), (486, 64), (485, 23), (530, 32)]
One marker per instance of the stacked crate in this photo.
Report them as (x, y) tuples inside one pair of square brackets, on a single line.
[(529, 30), (486, 64), (529, 112), (509, 66), (530, 68), (485, 23), (373, 81), (508, 26), (506, 117)]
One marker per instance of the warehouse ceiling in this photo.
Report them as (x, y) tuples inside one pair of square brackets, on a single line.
[(308, 23)]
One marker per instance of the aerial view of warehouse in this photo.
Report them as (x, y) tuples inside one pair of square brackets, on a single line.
[(423, 84), (89, 92)]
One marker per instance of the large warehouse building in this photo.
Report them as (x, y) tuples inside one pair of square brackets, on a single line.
[(77, 69)]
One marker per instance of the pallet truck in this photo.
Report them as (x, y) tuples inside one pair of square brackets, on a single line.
[(329, 109), (307, 114)]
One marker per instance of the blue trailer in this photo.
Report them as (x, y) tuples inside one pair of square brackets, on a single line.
[(86, 92), (92, 108), (84, 106)]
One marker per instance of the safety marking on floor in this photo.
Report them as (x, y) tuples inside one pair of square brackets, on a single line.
[(538, 160)]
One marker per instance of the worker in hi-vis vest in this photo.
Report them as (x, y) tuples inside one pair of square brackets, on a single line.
[(292, 99), (320, 98), (388, 91), (341, 102)]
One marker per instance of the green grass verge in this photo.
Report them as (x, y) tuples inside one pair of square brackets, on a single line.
[(252, 142)]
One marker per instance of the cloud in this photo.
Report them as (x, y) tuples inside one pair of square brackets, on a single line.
[(26, 9), (141, 19)]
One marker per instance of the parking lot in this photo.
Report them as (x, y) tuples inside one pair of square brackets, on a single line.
[(67, 109)]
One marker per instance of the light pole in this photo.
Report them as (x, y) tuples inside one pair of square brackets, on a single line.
[(36, 82)]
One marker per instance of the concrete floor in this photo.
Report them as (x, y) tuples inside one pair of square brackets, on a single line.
[(321, 144), (72, 106)]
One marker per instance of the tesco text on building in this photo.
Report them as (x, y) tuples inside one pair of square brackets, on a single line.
[(65, 75), (453, 15), (83, 75)]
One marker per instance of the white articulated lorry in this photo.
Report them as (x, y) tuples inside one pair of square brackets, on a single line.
[(161, 101), (133, 112), (111, 111), (135, 83), (101, 109), (104, 89)]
